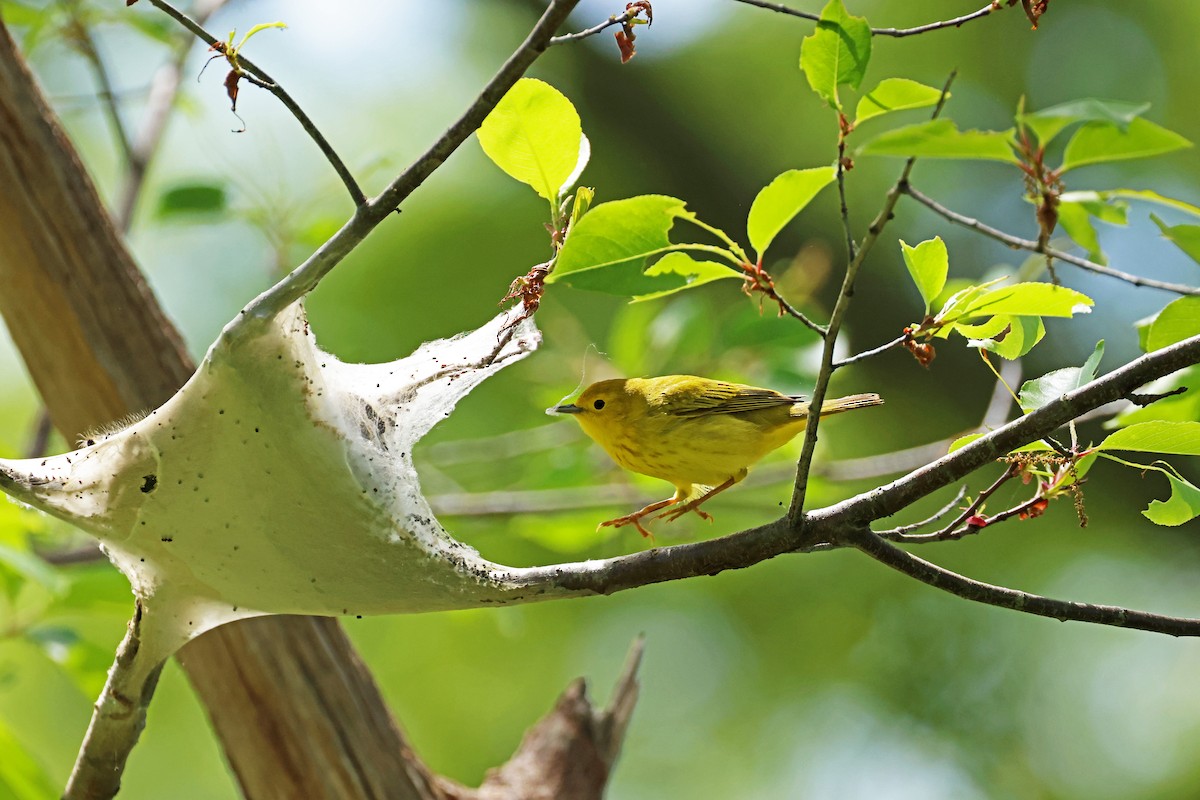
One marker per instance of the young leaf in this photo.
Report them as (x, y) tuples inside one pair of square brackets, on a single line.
[(1098, 142), (941, 138), (620, 232), (781, 200), (1185, 237), (836, 53), (1178, 321), (1030, 299), (1038, 392), (928, 263), (1183, 505), (534, 135), (1049, 122), (894, 94), (679, 271), (1156, 436)]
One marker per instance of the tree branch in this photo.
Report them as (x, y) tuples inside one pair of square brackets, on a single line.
[(366, 217), (893, 32), (265, 81), (1037, 247), (979, 592), (616, 19)]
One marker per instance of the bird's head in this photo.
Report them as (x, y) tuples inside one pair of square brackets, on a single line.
[(605, 409)]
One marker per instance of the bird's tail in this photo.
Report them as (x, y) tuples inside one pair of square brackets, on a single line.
[(840, 404)]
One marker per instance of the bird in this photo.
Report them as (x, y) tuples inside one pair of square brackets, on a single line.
[(700, 435)]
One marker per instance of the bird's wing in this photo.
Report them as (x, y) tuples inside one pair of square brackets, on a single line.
[(716, 397)]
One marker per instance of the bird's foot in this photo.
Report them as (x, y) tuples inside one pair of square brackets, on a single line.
[(629, 519)]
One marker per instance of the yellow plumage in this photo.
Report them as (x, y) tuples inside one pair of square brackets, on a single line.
[(692, 432)]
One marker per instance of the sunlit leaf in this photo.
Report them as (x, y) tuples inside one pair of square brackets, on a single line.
[(534, 134), (1182, 506), (928, 264), (1038, 392), (895, 94), (836, 53), (620, 232), (781, 200), (1020, 336), (1156, 436), (1030, 299), (941, 138), (1099, 142)]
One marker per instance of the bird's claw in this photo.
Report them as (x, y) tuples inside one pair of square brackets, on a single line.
[(628, 519)]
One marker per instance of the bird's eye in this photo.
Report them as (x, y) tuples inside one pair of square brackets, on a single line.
[(599, 404)]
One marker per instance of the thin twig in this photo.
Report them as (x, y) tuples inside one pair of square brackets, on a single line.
[(260, 78), (81, 37), (164, 89), (1036, 247), (841, 306), (864, 355), (616, 19), (903, 530), (841, 184), (894, 32), (956, 529), (306, 276), (977, 591)]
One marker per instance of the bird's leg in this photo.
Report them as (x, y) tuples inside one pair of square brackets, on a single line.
[(634, 519), (694, 505)]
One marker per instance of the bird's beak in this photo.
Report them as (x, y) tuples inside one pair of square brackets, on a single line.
[(570, 408)]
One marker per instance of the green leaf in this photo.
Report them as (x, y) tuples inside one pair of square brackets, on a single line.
[(781, 200), (1038, 392), (679, 271), (1099, 142), (618, 232), (1185, 237), (928, 264), (941, 138), (836, 53), (194, 198), (1178, 321), (1030, 299), (895, 94), (1145, 195), (1077, 222), (1049, 122), (1183, 505), (534, 135), (1156, 436), (1018, 338)]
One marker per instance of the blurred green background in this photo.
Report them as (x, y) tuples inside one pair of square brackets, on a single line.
[(818, 676)]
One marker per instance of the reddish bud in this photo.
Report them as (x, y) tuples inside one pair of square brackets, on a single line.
[(976, 521)]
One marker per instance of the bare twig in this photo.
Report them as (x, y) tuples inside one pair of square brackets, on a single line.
[(903, 530), (79, 35), (893, 32), (164, 89), (864, 355), (616, 19), (841, 306), (260, 78), (1036, 247), (956, 529)]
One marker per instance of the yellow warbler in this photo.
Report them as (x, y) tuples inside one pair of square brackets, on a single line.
[(700, 435)]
